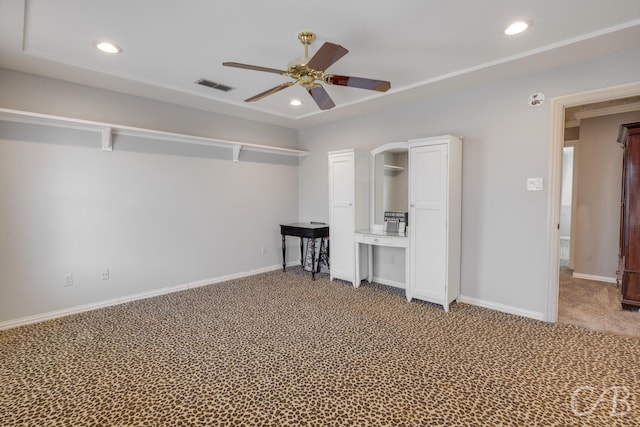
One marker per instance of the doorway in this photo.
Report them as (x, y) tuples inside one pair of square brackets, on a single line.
[(558, 107)]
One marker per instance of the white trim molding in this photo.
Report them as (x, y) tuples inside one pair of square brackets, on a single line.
[(594, 277), (36, 318), (605, 111), (502, 307), (387, 282)]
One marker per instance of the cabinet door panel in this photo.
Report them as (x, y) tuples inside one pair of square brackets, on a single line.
[(342, 205), (630, 226), (342, 246), (428, 176), (632, 203), (429, 249), (342, 180), (428, 200)]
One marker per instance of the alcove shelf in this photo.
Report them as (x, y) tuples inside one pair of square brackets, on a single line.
[(108, 130)]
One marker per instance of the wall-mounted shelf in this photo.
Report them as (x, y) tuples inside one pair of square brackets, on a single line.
[(108, 130)]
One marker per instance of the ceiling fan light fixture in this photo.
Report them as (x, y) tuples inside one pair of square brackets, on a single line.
[(516, 28), (108, 47), (297, 64)]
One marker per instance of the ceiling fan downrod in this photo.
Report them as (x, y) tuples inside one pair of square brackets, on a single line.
[(306, 38)]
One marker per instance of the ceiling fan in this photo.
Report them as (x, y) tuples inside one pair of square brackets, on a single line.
[(309, 72)]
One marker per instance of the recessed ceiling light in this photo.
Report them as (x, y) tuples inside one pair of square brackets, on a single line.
[(295, 102), (516, 28), (108, 47)]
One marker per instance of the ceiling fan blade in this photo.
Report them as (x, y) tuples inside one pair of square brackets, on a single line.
[(270, 91), (328, 54), (359, 82), (253, 67), (322, 98)]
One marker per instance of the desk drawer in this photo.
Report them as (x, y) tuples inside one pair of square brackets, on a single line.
[(378, 240)]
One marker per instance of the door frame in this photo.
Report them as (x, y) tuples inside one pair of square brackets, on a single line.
[(558, 106)]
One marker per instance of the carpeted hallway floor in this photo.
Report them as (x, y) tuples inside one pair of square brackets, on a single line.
[(594, 305), (278, 349)]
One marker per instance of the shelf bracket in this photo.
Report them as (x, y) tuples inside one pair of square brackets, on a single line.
[(236, 152), (107, 139)]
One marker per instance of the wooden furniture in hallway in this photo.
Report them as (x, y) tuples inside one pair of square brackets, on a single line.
[(629, 253)]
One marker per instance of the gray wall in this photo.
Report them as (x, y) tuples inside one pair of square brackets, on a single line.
[(504, 227), (598, 195), (160, 214), (157, 214), (27, 92)]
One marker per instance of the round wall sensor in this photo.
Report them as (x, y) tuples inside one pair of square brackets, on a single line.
[(536, 99)]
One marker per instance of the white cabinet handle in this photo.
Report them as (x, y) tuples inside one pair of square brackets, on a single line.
[(413, 205), (350, 204)]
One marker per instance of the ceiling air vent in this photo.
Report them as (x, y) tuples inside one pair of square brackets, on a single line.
[(214, 85)]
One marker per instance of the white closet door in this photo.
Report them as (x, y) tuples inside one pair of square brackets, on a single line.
[(427, 219), (342, 197)]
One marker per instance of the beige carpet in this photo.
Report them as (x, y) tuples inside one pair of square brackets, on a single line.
[(278, 349), (594, 305)]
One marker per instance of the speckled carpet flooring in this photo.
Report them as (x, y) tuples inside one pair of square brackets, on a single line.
[(278, 349)]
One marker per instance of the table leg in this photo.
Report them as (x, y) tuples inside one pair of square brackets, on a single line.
[(302, 260), (320, 255), (370, 263), (328, 254), (407, 274), (284, 254), (313, 258), (356, 273)]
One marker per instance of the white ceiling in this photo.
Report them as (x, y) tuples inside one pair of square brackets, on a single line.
[(422, 47)]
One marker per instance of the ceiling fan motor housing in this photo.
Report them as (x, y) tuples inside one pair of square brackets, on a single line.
[(298, 70)]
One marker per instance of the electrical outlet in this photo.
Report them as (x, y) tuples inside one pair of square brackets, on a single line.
[(393, 259), (68, 280), (263, 251), (104, 273)]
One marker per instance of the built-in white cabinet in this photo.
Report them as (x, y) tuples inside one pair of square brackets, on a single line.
[(435, 193), (349, 210), (432, 239)]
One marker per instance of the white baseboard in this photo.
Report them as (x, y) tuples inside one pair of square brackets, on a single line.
[(502, 307), (128, 298), (387, 282), (593, 277), (162, 291)]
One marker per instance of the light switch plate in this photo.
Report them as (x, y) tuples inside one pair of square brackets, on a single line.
[(534, 184)]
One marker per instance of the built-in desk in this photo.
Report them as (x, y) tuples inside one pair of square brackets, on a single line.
[(378, 238)]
